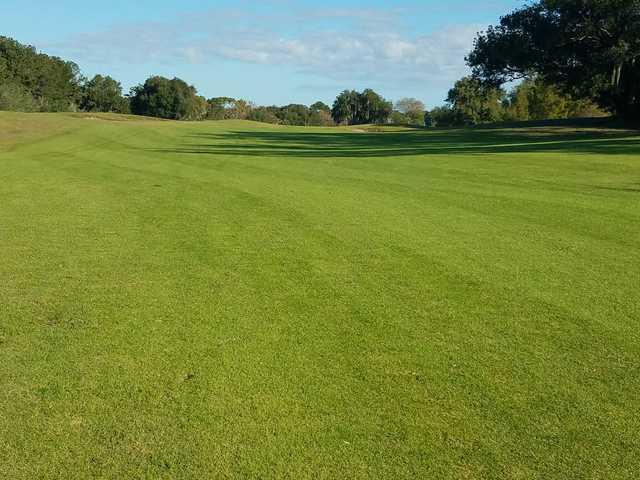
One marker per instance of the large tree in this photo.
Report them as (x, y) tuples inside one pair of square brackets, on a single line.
[(265, 114), (345, 107), (591, 48), (320, 115), (173, 99), (413, 110), (293, 114), (474, 103), (103, 94), (34, 81), (353, 108)]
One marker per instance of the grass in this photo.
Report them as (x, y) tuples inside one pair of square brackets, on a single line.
[(228, 299)]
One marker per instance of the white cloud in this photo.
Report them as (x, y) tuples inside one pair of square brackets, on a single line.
[(339, 44)]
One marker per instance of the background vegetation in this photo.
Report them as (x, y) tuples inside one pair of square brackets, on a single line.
[(571, 58), (590, 49)]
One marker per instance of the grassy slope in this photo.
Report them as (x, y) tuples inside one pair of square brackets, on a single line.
[(233, 299)]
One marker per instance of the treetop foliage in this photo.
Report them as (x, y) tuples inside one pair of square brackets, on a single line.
[(168, 98), (358, 108), (36, 82), (591, 49), (472, 102), (103, 94)]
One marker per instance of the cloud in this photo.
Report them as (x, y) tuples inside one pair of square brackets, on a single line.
[(336, 44)]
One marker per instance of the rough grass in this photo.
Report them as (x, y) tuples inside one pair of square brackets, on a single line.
[(238, 300)]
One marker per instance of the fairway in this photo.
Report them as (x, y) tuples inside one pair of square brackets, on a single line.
[(241, 300)]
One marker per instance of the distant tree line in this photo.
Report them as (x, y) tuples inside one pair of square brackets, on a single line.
[(472, 102), (34, 82), (225, 108)]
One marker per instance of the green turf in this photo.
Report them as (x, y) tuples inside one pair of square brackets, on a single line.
[(228, 299)]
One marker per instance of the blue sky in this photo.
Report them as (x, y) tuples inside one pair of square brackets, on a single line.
[(270, 51)]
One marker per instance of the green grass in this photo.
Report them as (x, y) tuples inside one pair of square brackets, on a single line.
[(228, 299)]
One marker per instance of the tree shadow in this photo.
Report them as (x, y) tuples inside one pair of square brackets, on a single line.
[(362, 144)]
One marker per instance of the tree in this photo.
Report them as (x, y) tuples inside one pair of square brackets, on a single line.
[(320, 115), (241, 109), (218, 107), (353, 108), (15, 97), (373, 108), (474, 103), (33, 81), (265, 114), (345, 107), (197, 108), (294, 114), (443, 116), (534, 99), (591, 49), (320, 107), (172, 99), (428, 119), (398, 118), (413, 109), (103, 94)]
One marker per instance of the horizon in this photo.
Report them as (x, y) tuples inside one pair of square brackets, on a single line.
[(299, 52)]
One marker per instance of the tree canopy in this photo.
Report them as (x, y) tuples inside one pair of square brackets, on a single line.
[(412, 109), (103, 94), (589, 48), (534, 99), (357, 108), (172, 99), (33, 81), (474, 102)]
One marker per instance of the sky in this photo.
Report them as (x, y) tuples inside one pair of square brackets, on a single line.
[(269, 51)]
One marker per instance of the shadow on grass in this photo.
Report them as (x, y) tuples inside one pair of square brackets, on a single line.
[(341, 143)]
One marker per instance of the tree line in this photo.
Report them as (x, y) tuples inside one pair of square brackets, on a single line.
[(35, 82), (571, 58), (472, 102)]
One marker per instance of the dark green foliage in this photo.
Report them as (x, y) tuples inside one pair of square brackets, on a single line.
[(444, 116), (589, 48), (317, 114), (320, 115), (475, 103), (428, 119), (294, 115), (15, 97), (265, 114), (472, 102), (172, 99), (345, 107), (354, 108), (535, 99), (103, 94), (320, 107), (32, 81)]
